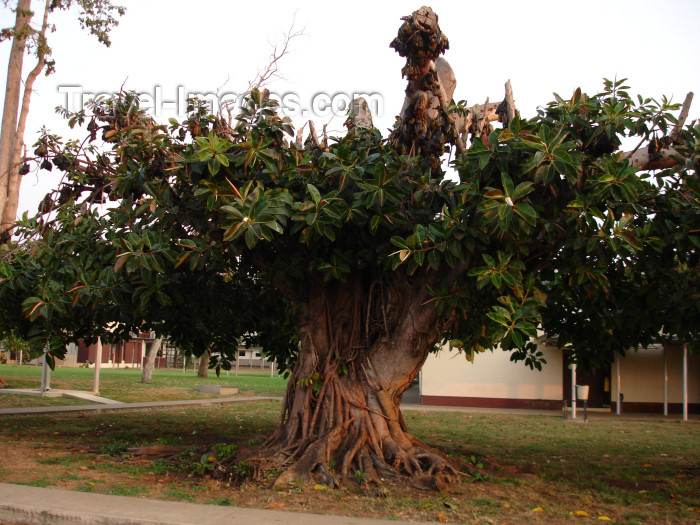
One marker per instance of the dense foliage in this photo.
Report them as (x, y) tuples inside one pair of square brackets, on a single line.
[(208, 231)]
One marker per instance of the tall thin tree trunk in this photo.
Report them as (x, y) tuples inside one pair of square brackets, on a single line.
[(203, 370), (8, 132), (150, 360), (9, 214)]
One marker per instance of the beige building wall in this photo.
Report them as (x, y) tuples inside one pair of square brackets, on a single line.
[(642, 376), (492, 380)]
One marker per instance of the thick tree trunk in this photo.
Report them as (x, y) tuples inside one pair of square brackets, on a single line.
[(8, 132), (203, 370), (364, 343), (150, 359)]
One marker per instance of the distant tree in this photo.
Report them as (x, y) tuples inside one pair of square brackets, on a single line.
[(94, 15), (149, 360), (203, 369), (349, 260), (16, 345)]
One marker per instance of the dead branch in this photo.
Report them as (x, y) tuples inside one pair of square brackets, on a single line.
[(645, 159), (660, 160), (272, 69), (683, 116)]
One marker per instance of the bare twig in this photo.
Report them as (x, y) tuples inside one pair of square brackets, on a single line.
[(272, 69)]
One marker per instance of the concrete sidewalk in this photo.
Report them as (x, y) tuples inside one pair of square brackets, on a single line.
[(40, 506), (117, 405), (72, 394), (108, 404)]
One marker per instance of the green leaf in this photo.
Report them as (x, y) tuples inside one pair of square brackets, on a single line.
[(494, 194), (399, 242), (563, 156), (521, 190), (315, 195), (498, 318), (527, 212), (5, 269)]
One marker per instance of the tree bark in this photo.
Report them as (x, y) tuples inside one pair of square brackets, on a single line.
[(150, 359), (14, 180), (644, 160), (9, 214), (364, 342), (203, 370), (8, 132)]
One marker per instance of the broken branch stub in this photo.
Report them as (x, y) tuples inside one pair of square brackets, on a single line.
[(427, 125), (359, 116)]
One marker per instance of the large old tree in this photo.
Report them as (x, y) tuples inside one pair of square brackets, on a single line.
[(221, 229)]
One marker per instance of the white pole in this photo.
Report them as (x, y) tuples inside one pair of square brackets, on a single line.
[(98, 364), (238, 357), (420, 387), (272, 368), (618, 408), (665, 381), (45, 373), (685, 382), (573, 391)]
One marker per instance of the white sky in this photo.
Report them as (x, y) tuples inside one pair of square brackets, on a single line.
[(541, 46)]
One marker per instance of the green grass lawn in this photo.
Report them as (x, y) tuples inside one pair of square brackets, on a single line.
[(518, 468), (125, 384)]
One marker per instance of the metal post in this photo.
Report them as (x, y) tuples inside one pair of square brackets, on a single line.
[(618, 408), (420, 387), (665, 381), (98, 365), (238, 358), (272, 368), (45, 374), (573, 391), (685, 382)]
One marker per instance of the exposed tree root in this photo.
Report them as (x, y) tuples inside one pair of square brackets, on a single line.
[(364, 342), (343, 434)]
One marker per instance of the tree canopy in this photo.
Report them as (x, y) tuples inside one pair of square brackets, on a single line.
[(351, 258)]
